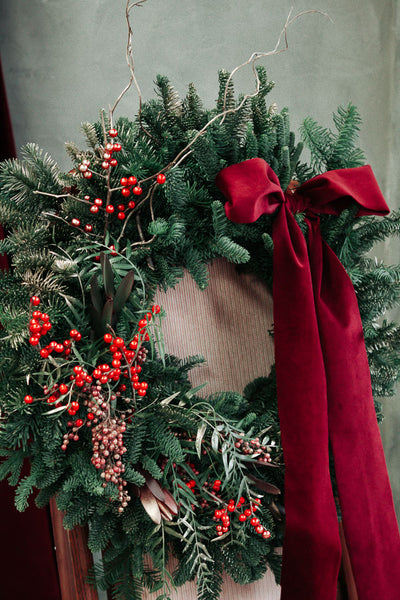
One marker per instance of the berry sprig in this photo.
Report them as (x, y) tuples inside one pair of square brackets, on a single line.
[(247, 514), (254, 448), (129, 184)]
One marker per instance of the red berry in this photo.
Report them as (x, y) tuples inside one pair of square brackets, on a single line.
[(79, 422), (107, 338), (142, 392), (113, 133), (266, 534), (131, 204), (109, 208), (255, 521), (59, 348), (260, 529), (113, 162), (248, 512), (63, 388), (126, 192), (119, 342), (121, 206), (90, 416), (75, 406), (132, 180), (155, 309), (105, 164), (94, 209), (88, 228), (34, 340), (88, 175), (44, 353), (137, 190), (75, 222), (28, 399), (242, 518), (45, 317), (37, 314), (124, 181), (87, 198), (121, 216), (231, 507), (117, 147), (73, 333), (78, 337), (161, 178), (142, 323), (98, 201), (35, 300)]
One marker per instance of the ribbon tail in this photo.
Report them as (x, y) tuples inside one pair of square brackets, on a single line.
[(312, 550), (365, 496)]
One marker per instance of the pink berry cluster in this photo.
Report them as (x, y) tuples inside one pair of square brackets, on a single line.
[(254, 448), (244, 514)]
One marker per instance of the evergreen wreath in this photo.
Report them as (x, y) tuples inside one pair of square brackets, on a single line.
[(109, 422)]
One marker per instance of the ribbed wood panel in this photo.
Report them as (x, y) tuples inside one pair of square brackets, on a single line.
[(228, 323)]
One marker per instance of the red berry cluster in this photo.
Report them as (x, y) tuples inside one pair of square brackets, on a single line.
[(232, 507), (39, 324)]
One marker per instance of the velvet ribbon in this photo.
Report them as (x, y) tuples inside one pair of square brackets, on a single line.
[(324, 387)]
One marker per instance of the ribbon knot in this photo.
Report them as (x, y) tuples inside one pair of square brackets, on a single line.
[(324, 387)]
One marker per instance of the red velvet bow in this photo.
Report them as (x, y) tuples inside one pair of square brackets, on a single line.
[(324, 387)]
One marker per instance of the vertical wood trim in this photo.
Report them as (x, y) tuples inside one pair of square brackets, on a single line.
[(73, 558), (346, 571)]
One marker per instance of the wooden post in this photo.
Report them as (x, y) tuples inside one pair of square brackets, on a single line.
[(74, 558)]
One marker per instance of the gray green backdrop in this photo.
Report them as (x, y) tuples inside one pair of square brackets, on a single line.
[(64, 60)]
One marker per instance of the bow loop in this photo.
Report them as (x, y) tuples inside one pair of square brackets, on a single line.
[(252, 189)]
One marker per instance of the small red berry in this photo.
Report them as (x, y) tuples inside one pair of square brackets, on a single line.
[(260, 529), (131, 204), (88, 228), (126, 192), (35, 300), (94, 209), (121, 206), (142, 392), (155, 309), (75, 222), (28, 399), (98, 202), (87, 198), (161, 178), (132, 180), (73, 333), (63, 388), (137, 190), (117, 147), (248, 512), (88, 175), (107, 338), (119, 342), (34, 340), (90, 416), (79, 422), (121, 216), (113, 133), (109, 209), (113, 162), (242, 518), (44, 353), (105, 164), (266, 534)]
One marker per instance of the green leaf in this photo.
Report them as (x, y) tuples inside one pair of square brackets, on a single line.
[(108, 275), (106, 315), (95, 294), (123, 291)]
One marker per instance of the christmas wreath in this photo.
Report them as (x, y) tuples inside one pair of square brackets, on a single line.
[(109, 422)]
